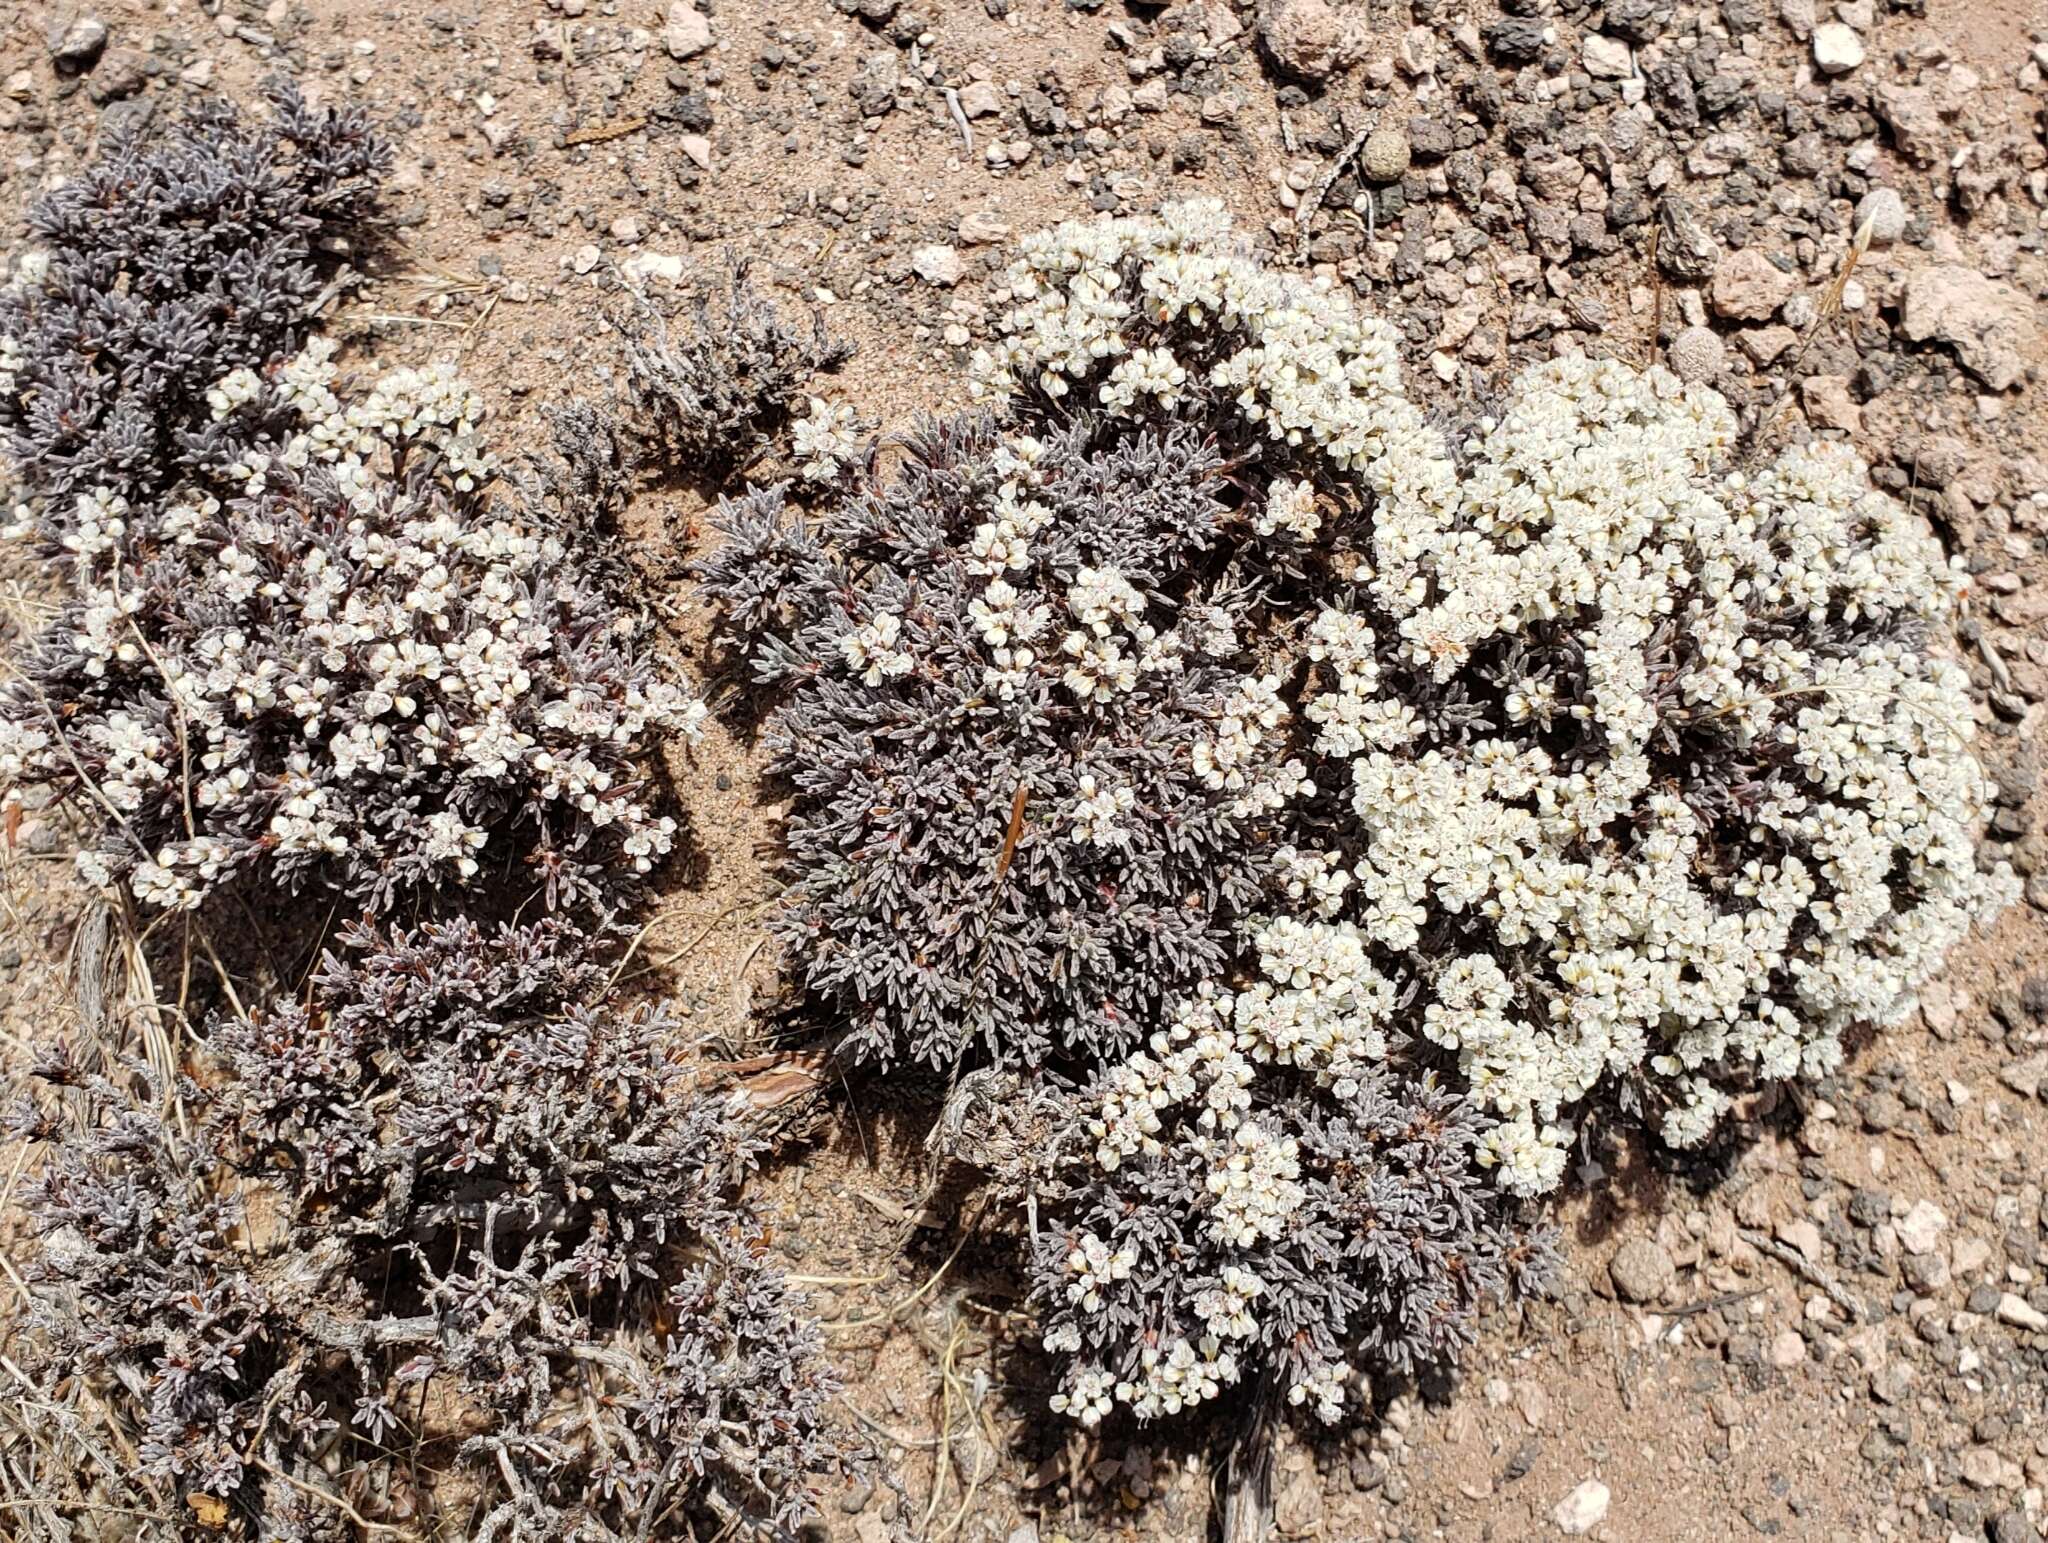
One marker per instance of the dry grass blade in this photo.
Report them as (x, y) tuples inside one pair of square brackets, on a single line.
[(1014, 833), (60, 1463), (598, 133), (1830, 306)]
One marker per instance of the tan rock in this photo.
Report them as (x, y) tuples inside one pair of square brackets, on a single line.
[(1983, 320), (1311, 39), (981, 99), (687, 32), (1748, 286), (1828, 403)]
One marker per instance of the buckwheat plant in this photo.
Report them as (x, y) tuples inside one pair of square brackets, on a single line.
[(1634, 769), (1032, 755), (712, 387), (1262, 1209), (335, 659), (435, 1200), (171, 260)]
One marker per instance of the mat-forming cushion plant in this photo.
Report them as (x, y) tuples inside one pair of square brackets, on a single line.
[(451, 1210), (1578, 765), (1319, 814), (440, 1202), (1630, 767)]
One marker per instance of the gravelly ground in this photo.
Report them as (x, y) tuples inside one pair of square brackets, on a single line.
[(1650, 178)]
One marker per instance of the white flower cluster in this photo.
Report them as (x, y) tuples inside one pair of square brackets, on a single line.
[(1172, 1377), (870, 649), (12, 361), (1290, 506), (30, 270), (1228, 760), (1094, 1266), (407, 412), (1761, 620), (1718, 801), (353, 664), (1098, 813), (825, 440), (1187, 1098), (1305, 370), (1109, 647)]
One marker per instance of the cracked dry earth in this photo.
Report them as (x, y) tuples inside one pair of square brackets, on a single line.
[(1832, 1326)]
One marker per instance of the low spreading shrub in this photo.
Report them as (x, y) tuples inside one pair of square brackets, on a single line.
[(448, 1233), (339, 660), (1031, 753), (429, 1204), (1489, 785)]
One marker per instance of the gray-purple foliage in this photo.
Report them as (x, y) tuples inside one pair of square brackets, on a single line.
[(1028, 748), (169, 261), (455, 1195), (711, 386), (1235, 1222), (450, 1207), (343, 660)]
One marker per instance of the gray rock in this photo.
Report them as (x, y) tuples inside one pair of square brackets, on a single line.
[(940, 265), (1914, 115), (1637, 20), (1686, 249), (1641, 1270), (2016, 1310), (1882, 1111), (2025, 1077), (981, 99), (980, 227), (1298, 1507), (1885, 212), (1697, 355), (1606, 58), (1925, 1273), (122, 72), (1518, 39), (1583, 1509), (76, 47), (2013, 1527), (1748, 286), (874, 83), (1311, 39), (1920, 1229)]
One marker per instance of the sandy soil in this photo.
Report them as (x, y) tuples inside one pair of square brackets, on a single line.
[(544, 145)]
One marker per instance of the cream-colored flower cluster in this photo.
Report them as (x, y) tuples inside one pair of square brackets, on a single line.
[(411, 645), (1734, 816), (1647, 767), (1187, 1098), (826, 440)]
